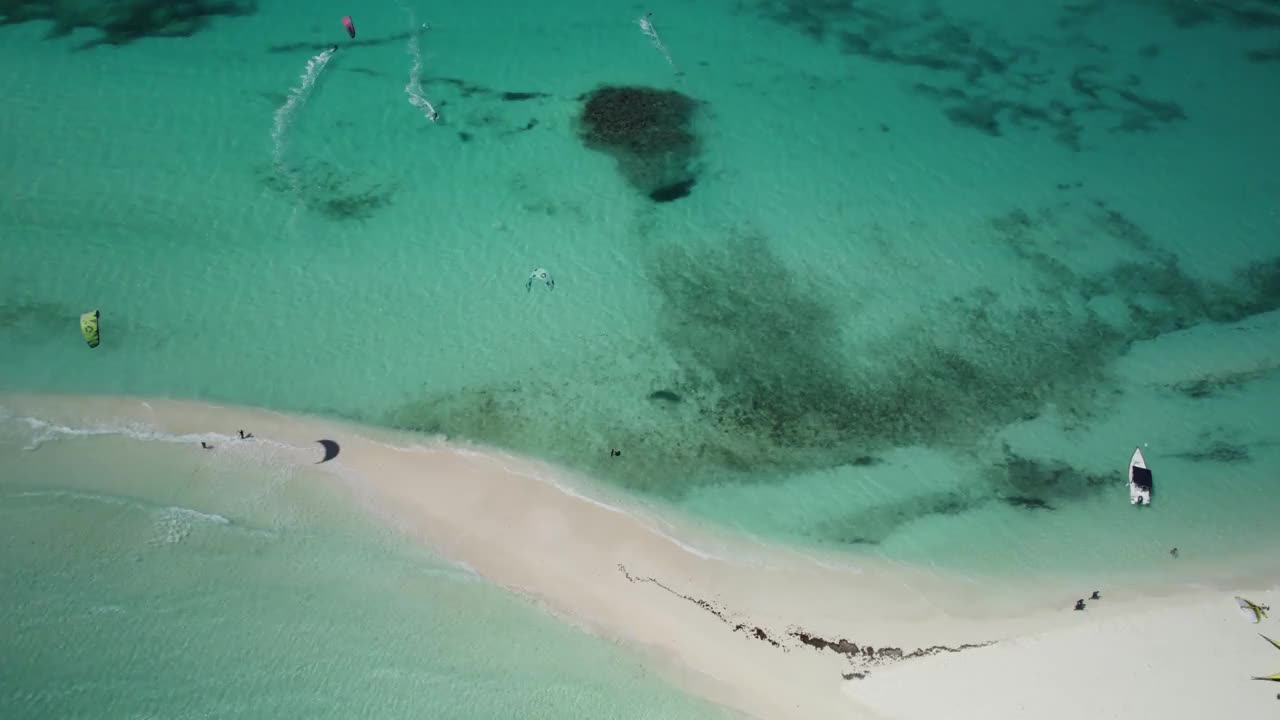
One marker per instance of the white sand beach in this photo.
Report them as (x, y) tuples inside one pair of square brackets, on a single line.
[(1178, 657), (767, 631)]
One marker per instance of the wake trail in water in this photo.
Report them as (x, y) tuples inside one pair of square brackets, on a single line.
[(265, 450), (171, 524), (133, 503), (414, 87), (285, 113), (646, 27)]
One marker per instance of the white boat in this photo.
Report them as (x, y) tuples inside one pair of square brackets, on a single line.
[(1139, 479)]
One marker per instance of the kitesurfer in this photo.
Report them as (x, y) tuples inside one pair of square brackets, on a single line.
[(1095, 595), (205, 445), (615, 453), (1080, 604), (1174, 552), (243, 436)]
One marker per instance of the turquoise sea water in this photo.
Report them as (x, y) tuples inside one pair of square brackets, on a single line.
[(160, 584), (941, 267)]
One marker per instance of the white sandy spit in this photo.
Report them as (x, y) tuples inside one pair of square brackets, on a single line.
[(728, 618)]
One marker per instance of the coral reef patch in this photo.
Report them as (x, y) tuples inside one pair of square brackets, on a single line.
[(333, 192), (981, 79), (648, 132), (120, 22), (768, 388)]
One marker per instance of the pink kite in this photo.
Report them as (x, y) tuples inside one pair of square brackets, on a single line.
[(349, 25)]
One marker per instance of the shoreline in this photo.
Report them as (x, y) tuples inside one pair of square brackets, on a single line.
[(768, 631)]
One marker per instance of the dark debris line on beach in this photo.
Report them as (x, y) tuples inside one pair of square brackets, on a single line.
[(885, 654), (864, 655), (721, 614)]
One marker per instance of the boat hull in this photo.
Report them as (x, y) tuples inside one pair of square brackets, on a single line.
[(1140, 484)]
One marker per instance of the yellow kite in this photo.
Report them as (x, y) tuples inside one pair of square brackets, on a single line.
[(89, 328), (1276, 676)]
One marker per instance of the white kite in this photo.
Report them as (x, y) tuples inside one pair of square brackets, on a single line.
[(542, 276)]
